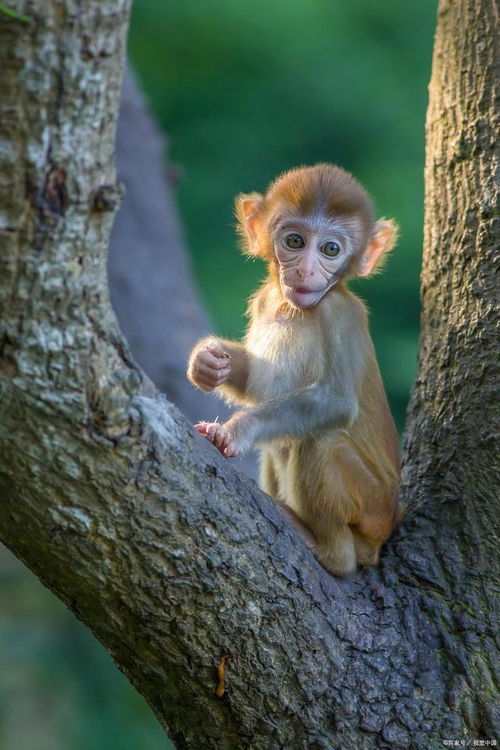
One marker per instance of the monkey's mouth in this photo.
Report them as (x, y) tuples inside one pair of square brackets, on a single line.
[(304, 290), (303, 297)]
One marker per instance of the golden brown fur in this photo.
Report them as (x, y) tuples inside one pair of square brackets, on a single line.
[(341, 480), (306, 372)]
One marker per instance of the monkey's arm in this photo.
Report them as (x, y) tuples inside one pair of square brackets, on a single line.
[(296, 414), (219, 364), (303, 411)]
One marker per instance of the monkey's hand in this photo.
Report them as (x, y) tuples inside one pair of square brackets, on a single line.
[(209, 366), (220, 436)]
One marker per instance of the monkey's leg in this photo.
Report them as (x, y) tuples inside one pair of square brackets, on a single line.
[(268, 478), (336, 552), (314, 497), (270, 484), (374, 528)]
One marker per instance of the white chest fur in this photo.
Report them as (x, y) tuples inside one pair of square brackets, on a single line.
[(283, 357)]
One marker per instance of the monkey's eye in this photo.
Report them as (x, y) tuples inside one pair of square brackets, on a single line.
[(294, 241), (331, 249)]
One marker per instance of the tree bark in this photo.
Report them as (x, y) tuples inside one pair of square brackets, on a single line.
[(451, 472), (170, 556)]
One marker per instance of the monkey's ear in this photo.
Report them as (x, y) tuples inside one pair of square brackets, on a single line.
[(381, 242), (249, 209)]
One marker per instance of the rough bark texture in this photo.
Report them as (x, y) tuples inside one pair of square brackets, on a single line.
[(451, 469), (150, 537)]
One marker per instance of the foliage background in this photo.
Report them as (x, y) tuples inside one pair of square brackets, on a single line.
[(244, 91)]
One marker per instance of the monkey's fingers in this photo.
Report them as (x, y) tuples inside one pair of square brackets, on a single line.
[(213, 431), (207, 377), (208, 358), (219, 436), (229, 446), (215, 347)]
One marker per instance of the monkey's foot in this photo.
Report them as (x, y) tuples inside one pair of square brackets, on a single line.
[(337, 554), (366, 552), (220, 437)]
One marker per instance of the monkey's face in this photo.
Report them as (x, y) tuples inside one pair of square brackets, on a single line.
[(313, 255), (315, 226)]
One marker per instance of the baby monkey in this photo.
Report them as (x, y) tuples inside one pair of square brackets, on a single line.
[(306, 374)]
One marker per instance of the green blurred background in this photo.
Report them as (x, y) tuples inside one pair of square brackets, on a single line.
[(244, 92)]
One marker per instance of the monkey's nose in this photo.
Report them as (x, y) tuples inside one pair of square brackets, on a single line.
[(304, 272)]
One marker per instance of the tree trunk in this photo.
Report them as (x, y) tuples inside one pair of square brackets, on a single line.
[(451, 472), (171, 557)]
